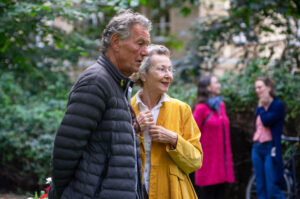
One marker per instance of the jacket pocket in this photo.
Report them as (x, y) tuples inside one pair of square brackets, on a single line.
[(180, 185), (176, 181), (174, 170), (102, 176)]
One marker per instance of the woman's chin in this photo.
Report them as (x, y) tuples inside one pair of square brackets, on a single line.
[(165, 91)]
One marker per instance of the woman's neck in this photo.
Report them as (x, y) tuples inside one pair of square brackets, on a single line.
[(149, 99), (212, 95), (269, 103)]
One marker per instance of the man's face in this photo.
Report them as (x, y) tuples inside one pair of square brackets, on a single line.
[(132, 50)]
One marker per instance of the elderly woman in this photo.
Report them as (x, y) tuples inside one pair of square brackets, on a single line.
[(169, 140)]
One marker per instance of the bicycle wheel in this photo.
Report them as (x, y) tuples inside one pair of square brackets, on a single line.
[(289, 184), (251, 191), (251, 188)]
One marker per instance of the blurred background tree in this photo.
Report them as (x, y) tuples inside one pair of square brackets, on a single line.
[(258, 28)]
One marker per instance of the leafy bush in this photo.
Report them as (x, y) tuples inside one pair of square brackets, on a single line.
[(185, 92), (27, 129), (239, 93)]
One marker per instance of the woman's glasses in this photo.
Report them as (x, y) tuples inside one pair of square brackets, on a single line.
[(165, 70)]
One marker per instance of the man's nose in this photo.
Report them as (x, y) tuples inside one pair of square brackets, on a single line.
[(145, 51)]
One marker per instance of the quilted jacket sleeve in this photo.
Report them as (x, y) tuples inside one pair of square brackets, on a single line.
[(188, 154), (84, 110)]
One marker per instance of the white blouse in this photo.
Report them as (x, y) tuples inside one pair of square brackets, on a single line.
[(147, 138)]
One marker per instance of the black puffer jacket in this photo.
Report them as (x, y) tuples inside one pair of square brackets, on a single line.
[(96, 152)]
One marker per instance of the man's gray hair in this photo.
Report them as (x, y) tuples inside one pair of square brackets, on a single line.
[(153, 49), (121, 24)]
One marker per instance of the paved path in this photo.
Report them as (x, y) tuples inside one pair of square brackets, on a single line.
[(12, 196)]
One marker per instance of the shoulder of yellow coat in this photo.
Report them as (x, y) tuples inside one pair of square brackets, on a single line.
[(173, 102), (178, 102)]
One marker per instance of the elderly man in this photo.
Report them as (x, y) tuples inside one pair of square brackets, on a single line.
[(96, 152)]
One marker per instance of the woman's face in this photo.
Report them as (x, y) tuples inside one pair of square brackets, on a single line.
[(159, 76), (261, 89), (214, 87)]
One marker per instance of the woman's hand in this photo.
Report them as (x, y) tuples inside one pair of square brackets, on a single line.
[(145, 119), (265, 100), (160, 134)]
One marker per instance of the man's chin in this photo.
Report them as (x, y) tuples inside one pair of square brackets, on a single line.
[(136, 69)]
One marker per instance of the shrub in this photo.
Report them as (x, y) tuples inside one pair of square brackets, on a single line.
[(27, 128)]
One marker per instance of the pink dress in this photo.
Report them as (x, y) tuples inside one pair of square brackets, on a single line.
[(215, 140)]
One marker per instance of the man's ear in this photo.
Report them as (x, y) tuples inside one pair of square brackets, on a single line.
[(115, 42)]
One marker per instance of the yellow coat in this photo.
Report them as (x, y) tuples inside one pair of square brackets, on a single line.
[(170, 168)]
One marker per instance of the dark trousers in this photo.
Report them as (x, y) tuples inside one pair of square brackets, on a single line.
[(217, 191), (197, 189)]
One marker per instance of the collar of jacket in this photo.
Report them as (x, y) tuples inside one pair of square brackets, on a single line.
[(163, 112), (121, 79)]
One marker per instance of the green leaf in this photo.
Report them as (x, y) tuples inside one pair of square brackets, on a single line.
[(32, 14), (5, 46), (47, 8), (185, 11), (60, 45), (143, 2), (84, 54)]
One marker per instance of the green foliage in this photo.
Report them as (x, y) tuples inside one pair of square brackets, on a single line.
[(29, 42), (245, 29), (173, 42), (28, 125), (247, 26), (183, 91), (239, 95), (239, 92)]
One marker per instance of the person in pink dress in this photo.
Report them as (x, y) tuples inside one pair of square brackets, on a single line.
[(210, 115)]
